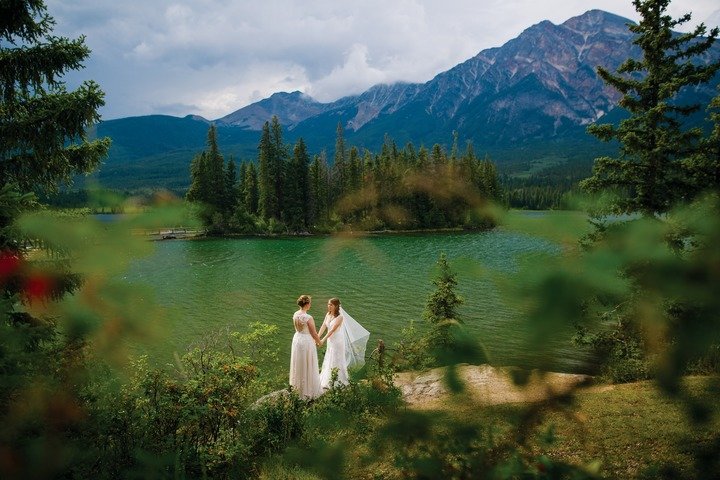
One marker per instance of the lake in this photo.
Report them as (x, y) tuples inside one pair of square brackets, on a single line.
[(383, 281)]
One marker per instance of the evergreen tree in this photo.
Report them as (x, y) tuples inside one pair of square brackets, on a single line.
[(210, 183), (216, 170), (242, 174), (423, 158), (442, 304), (704, 166), (43, 143), (250, 192), (355, 171), (267, 200), (469, 165), (319, 190), (278, 166), (340, 166), (43, 127), (653, 143), (298, 208), (231, 191), (200, 185), (454, 155), (489, 181), (411, 155), (439, 158)]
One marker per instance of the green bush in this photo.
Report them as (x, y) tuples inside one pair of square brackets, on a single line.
[(619, 352), (413, 351), (199, 419)]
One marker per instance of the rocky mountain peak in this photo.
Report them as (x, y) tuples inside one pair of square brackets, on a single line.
[(290, 108)]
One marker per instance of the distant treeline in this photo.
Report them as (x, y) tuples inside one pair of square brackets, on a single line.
[(550, 188), (98, 200), (396, 188), (523, 185)]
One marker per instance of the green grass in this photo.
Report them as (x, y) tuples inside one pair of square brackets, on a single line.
[(621, 431), (630, 429)]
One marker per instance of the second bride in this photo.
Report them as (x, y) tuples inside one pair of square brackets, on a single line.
[(335, 354), (346, 342)]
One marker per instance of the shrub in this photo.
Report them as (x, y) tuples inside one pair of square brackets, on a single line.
[(618, 351)]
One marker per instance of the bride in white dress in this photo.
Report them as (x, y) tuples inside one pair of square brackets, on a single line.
[(304, 376), (335, 354)]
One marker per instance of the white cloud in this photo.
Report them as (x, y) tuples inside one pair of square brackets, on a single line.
[(352, 77), (220, 55)]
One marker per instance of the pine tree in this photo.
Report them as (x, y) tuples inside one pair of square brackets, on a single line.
[(489, 181), (278, 164), (704, 167), (355, 171), (469, 164), (43, 127), (231, 191), (267, 201), (340, 166), (319, 190), (250, 192), (200, 182), (411, 155), (439, 158), (216, 170), (298, 209), (209, 182), (653, 143), (442, 304), (43, 143), (454, 155), (242, 174)]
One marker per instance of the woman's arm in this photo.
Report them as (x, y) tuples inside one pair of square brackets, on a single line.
[(313, 333), (323, 327), (338, 323)]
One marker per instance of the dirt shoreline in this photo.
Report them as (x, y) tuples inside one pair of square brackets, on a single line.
[(484, 384)]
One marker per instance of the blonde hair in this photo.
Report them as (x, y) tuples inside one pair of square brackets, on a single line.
[(303, 300), (335, 303)]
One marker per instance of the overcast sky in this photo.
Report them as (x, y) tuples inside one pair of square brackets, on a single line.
[(212, 57)]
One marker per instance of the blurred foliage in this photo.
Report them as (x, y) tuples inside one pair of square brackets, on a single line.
[(49, 337)]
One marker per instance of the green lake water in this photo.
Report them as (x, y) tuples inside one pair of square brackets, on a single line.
[(382, 280)]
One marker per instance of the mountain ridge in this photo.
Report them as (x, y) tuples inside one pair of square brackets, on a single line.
[(536, 92)]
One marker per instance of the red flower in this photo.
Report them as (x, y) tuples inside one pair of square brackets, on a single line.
[(9, 264), (38, 286)]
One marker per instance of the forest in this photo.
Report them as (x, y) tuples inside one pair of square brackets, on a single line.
[(394, 189)]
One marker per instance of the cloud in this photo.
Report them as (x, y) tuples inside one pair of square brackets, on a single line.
[(220, 55), (352, 77), (177, 109)]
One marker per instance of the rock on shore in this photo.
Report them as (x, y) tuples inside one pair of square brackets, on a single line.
[(485, 384)]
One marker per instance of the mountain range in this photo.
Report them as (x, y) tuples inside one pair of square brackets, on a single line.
[(530, 99)]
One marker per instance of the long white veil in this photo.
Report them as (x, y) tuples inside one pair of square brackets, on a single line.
[(356, 338)]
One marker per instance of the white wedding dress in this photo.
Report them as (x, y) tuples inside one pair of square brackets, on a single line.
[(334, 356), (304, 376)]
